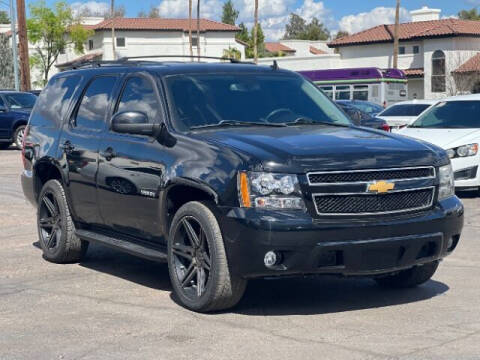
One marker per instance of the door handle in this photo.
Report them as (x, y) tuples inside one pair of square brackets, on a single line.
[(108, 154), (67, 147)]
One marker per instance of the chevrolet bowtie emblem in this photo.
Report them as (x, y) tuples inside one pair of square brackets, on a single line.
[(381, 187)]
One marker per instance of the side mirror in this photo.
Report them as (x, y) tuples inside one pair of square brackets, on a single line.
[(132, 122)]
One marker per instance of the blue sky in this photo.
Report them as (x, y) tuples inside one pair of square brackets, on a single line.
[(349, 15)]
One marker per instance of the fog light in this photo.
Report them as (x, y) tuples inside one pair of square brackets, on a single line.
[(450, 243), (271, 259)]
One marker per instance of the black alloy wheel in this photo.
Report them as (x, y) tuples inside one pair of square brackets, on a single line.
[(191, 257), (50, 221)]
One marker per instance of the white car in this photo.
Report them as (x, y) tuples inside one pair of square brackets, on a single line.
[(454, 125), (405, 113)]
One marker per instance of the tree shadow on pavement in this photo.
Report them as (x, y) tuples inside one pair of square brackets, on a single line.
[(327, 294)]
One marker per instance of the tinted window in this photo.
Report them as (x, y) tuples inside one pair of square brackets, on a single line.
[(94, 104), (53, 102), (1, 102), (451, 115), (139, 95), (368, 107), (405, 110), (21, 100), (207, 99)]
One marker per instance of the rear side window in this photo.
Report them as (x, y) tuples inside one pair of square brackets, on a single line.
[(53, 103), (405, 110), (139, 95), (94, 104)]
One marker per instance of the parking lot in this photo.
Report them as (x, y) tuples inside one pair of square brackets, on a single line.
[(116, 306)]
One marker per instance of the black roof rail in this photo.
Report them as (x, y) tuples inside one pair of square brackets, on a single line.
[(127, 60)]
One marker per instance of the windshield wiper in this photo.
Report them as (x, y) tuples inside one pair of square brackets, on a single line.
[(225, 123), (308, 121)]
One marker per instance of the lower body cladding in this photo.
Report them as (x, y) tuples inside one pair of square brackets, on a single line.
[(265, 244)]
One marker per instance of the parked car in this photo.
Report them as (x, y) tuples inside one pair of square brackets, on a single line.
[(15, 108), (231, 172), (368, 107), (404, 113), (454, 125), (361, 118)]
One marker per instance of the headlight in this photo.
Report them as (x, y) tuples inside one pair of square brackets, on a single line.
[(463, 151), (447, 185), (269, 191)]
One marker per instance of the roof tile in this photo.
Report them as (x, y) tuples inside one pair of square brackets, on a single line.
[(471, 65), (412, 30), (276, 47), (161, 24)]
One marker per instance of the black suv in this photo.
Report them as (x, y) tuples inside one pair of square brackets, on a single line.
[(15, 108), (231, 172)]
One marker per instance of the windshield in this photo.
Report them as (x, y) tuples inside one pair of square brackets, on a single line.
[(226, 99), (451, 115), (21, 101), (405, 110)]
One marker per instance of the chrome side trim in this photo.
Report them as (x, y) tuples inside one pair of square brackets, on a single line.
[(432, 188), (370, 170)]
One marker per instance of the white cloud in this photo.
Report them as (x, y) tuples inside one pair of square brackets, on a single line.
[(211, 9), (92, 7), (377, 16)]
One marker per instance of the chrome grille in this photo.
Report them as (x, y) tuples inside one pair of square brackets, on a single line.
[(349, 192), (370, 175), (369, 203)]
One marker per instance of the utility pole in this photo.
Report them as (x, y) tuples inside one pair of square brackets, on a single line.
[(14, 45), (190, 28), (255, 34), (395, 36), (198, 29), (23, 42), (112, 15)]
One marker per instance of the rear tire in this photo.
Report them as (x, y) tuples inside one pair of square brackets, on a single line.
[(409, 278), (56, 231), (197, 261), (18, 136)]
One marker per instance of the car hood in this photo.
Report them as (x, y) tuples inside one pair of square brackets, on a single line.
[(307, 148), (445, 138), (398, 120)]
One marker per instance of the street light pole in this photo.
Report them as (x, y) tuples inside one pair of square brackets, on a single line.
[(14, 45)]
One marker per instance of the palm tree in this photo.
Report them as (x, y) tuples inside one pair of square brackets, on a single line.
[(198, 29), (190, 26), (255, 34)]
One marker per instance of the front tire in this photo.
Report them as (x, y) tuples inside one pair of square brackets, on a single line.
[(18, 136), (409, 278), (56, 231), (197, 261)]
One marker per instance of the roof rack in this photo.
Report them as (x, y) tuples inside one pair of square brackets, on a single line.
[(127, 61)]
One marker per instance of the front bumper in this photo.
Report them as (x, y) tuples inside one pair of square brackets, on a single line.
[(362, 246), (462, 164)]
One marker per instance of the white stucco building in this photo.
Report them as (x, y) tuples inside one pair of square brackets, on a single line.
[(433, 53)]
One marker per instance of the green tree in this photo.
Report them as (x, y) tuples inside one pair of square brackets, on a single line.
[(315, 31), (153, 13), (7, 80), (295, 28), (341, 34), (260, 43), (243, 34), (51, 31), (230, 14), (469, 14), (232, 53), (4, 18)]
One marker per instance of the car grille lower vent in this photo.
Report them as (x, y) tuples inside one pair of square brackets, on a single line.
[(370, 175), (364, 204)]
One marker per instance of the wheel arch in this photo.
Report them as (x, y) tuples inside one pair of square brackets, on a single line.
[(45, 170), (179, 192)]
